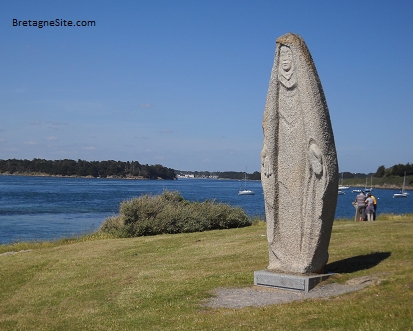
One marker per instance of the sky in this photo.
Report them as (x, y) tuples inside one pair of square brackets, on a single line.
[(183, 83)]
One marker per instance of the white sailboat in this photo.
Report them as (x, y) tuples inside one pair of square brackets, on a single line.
[(403, 193), (365, 187), (342, 187), (371, 184), (245, 191)]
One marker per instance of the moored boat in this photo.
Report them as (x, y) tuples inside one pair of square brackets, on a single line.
[(341, 186), (403, 193), (371, 184), (245, 191)]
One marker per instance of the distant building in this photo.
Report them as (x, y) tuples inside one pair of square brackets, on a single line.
[(185, 176)]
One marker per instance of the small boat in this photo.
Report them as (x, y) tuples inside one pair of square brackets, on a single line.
[(342, 187), (245, 191), (340, 192), (403, 193), (365, 186)]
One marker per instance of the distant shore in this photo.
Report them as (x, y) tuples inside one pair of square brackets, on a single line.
[(38, 174)]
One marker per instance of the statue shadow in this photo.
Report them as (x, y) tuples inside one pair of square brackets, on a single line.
[(356, 263)]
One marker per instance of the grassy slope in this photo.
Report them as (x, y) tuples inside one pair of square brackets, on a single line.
[(154, 283)]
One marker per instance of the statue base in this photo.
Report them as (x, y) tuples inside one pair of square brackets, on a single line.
[(303, 283)]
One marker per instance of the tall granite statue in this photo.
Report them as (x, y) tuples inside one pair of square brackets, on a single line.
[(299, 170)]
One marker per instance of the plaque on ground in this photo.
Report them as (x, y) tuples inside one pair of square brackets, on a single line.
[(299, 169)]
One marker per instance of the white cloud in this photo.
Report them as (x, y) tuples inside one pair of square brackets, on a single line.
[(52, 139), (30, 143)]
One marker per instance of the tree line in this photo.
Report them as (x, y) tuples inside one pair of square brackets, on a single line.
[(396, 170), (239, 175), (120, 169), (82, 168)]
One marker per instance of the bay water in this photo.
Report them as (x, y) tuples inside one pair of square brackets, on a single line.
[(47, 208)]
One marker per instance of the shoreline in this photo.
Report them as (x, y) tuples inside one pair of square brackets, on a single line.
[(39, 174), (388, 186)]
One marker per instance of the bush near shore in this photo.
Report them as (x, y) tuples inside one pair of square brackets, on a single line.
[(171, 213)]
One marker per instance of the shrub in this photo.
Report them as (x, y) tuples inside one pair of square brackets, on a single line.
[(171, 213)]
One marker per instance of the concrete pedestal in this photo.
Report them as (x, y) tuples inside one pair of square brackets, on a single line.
[(288, 282)]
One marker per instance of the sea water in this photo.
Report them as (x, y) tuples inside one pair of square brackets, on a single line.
[(46, 208)]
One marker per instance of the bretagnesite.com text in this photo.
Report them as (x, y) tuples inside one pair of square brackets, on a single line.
[(58, 22)]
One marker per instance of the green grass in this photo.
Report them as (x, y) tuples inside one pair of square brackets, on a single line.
[(159, 282)]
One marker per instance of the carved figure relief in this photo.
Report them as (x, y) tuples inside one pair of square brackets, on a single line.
[(299, 163)]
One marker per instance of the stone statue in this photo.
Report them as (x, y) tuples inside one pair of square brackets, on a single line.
[(299, 171)]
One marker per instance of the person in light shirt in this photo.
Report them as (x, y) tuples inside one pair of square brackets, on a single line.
[(370, 207), (369, 195)]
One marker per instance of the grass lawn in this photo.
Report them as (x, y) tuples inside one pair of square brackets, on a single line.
[(159, 282)]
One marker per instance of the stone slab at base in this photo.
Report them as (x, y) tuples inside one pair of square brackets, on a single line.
[(288, 282)]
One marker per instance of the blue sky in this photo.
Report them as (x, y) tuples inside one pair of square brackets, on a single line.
[(183, 83)]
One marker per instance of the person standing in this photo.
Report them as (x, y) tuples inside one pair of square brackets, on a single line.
[(361, 205), (370, 207), (374, 204)]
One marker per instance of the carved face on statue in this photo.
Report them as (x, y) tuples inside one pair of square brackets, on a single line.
[(286, 58), (286, 67)]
